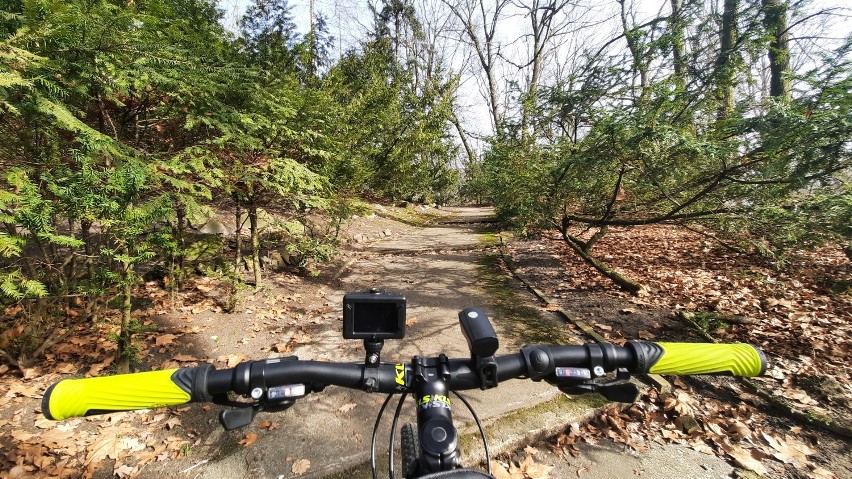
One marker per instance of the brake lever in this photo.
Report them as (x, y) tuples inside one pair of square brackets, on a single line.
[(231, 419), (579, 381), (275, 399)]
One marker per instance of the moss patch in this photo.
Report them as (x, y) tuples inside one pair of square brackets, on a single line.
[(488, 240), (513, 317)]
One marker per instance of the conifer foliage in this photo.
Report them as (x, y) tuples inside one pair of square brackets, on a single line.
[(125, 125)]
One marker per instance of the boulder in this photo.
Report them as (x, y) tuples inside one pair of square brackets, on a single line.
[(277, 259), (214, 227)]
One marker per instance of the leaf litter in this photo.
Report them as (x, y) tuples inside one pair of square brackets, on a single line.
[(126, 442), (792, 313)]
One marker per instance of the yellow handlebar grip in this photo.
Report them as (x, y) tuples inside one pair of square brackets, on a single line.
[(699, 358), (123, 392)]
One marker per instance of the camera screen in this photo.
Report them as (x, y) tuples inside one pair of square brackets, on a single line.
[(370, 317)]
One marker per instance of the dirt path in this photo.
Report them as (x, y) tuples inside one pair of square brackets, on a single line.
[(441, 269)]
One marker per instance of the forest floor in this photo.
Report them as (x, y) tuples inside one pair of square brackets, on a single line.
[(800, 316)]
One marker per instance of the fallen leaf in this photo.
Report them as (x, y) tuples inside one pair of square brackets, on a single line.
[(821, 473), (499, 471), (102, 448), (164, 339), (185, 358), (744, 459), (268, 425), (172, 423), (21, 435), (302, 338), (234, 359), (788, 450), (647, 335), (247, 441), (66, 368), (300, 467)]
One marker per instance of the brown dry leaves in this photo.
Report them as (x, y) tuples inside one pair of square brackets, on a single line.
[(248, 440), (738, 432), (792, 313), (300, 467), (73, 449), (528, 468)]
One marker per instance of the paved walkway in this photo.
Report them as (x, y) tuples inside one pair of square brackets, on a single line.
[(438, 269)]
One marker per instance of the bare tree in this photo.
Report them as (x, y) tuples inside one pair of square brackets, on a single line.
[(479, 27), (548, 20)]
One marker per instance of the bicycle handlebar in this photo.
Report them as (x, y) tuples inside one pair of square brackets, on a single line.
[(99, 395)]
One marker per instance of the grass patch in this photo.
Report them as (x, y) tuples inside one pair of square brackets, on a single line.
[(488, 240), (708, 321)]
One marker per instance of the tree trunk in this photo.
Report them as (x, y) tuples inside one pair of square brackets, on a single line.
[(238, 233), (775, 22), (180, 234), (484, 49), (640, 65), (86, 234), (178, 258), (725, 65), (255, 245), (622, 281), (125, 335), (471, 157), (676, 27)]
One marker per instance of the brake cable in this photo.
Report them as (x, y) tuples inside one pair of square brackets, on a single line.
[(375, 435), (393, 434), (481, 430)]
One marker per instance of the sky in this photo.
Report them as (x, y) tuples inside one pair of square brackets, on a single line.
[(346, 33), (349, 20)]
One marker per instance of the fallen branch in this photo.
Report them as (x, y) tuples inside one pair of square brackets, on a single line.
[(622, 281), (656, 380)]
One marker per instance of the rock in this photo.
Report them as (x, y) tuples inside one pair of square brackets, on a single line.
[(387, 232), (214, 227), (379, 207), (689, 425), (277, 259)]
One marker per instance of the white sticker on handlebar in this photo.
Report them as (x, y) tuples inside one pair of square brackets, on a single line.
[(289, 391)]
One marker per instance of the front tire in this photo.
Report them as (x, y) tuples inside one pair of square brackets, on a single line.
[(410, 449)]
